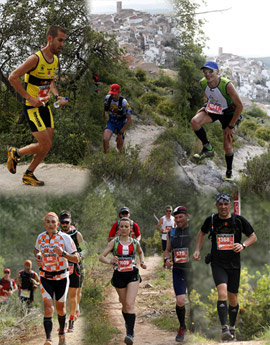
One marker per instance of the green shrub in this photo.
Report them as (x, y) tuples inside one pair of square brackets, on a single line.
[(166, 108), (141, 74), (150, 98), (263, 133), (256, 111), (248, 127)]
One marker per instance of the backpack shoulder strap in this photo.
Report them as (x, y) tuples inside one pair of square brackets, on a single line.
[(120, 102), (116, 244), (212, 230)]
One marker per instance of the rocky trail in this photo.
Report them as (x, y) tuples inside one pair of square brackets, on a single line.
[(145, 331)]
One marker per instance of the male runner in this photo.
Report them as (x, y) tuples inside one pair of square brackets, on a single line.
[(75, 269), (135, 230), (53, 250), (226, 230), (177, 257), (223, 104), (7, 286), (165, 224), (119, 118), (27, 281), (39, 74)]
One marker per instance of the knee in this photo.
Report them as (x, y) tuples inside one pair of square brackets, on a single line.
[(45, 146), (180, 301), (48, 310), (130, 306)]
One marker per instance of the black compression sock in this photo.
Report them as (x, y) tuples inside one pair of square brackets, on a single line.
[(222, 312), (181, 313), (130, 320), (229, 160), (201, 134), (124, 316), (62, 323), (233, 311), (48, 325)]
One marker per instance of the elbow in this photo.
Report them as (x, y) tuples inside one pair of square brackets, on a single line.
[(11, 78)]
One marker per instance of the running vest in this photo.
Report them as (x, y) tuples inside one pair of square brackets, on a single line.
[(180, 242), (116, 108), (218, 101), (38, 80), (125, 254), (7, 284), (73, 234), (26, 280), (166, 226)]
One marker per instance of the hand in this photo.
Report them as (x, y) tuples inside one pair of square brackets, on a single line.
[(229, 132), (105, 116), (196, 256), (39, 259), (36, 102), (237, 247), (169, 263), (62, 101), (143, 265), (58, 250), (114, 260)]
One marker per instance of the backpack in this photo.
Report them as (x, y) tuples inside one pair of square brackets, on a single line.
[(10, 283), (120, 111), (25, 279), (234, 226)]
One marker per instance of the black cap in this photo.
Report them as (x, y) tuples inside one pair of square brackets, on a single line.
[(179, 209), (64, 215), (123, 210)]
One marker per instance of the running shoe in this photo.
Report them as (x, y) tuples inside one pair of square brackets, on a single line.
[(62, 339), (180, 335), (232, 331), (29, 178), (128, 339), (70, 326), (226, 335), (48, 342), (13, 160), (205, 153)]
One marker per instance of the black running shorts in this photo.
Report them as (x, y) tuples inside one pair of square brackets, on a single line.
[(74, 278), (120, 280), (231, 277), (39, 118), (223, 119), (58, 287)]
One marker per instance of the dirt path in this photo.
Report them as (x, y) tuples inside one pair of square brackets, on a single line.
[(77, 337), (146, 332), (59, 179)]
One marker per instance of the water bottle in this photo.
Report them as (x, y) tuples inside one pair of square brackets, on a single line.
[(57, 103)]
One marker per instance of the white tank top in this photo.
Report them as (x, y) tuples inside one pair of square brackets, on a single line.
[(166, 226)]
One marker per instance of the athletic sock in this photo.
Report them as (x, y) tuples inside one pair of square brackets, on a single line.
[(233, 311), (130, 320), (71, 317), (229, 160), (48, 325), (28, 171), (124, 316), (222, 312), (181, 313), (17, 154), (201, 134), (62, 323)]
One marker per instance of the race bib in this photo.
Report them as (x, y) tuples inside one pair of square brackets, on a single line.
[(225, 241), (71, 269), (43, 92), (125, 264), (50, 260), (25, 293), (213, 108), (167, 228), (181, 255)]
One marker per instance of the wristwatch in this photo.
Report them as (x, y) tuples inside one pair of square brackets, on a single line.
[(64, 253), (231, 127), (243, 245), (56, 96)]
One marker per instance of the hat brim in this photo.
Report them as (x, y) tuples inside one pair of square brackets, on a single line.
[(114, 92)]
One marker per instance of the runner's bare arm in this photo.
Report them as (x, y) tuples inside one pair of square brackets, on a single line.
[(199, 243), (141, 256), (108, 249), (237, 247), (16, 82), (129, 120), (237, 102), (159, 225)]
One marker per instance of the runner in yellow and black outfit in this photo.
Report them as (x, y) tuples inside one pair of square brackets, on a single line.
[(39, 71)]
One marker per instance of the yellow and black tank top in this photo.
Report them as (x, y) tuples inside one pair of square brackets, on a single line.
[(38, 80)]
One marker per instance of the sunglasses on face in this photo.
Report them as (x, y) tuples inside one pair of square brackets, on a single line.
[(208, 71), (65, 222), (125, 213)]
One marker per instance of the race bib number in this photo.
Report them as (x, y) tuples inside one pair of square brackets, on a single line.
[(225, 241), (181, 255), (167, 228), (71, 269), (25, 293), (43, 92), (125, 264), (214, 108), (50, 260)]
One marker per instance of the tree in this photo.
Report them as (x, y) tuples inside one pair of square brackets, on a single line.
[(190, 38)]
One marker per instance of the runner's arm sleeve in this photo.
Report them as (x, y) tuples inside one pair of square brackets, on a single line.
[(37, 244), (127, 107), (247, 228), (69, 245)]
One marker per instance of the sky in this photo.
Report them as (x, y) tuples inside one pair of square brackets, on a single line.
[(241, 30)]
